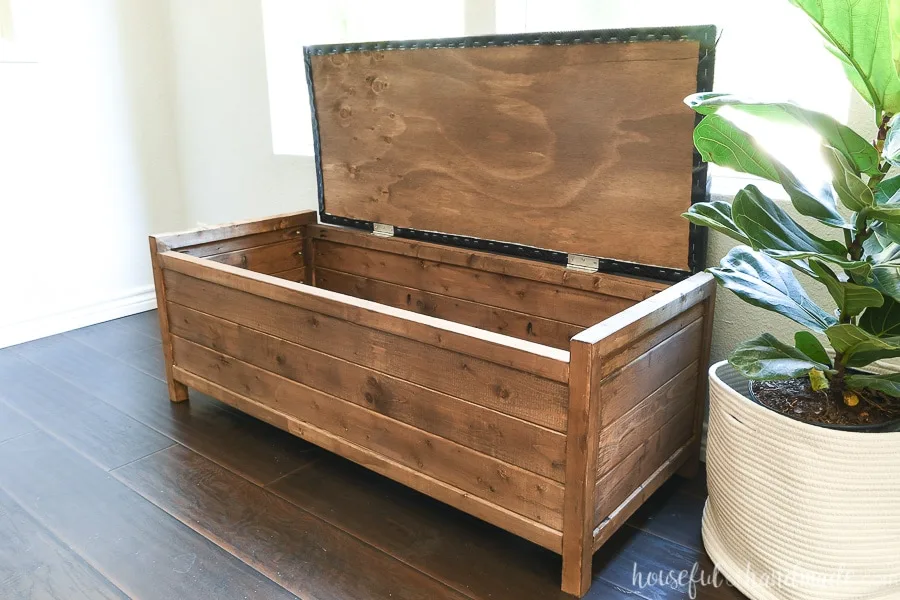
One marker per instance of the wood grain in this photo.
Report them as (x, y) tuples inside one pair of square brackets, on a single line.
[(139, 548), (523, 355), (500, 483), (271, 258), (299, 275), (621, 437), (177, 390), (508, 322), (581, 464), (244, 242), (534, 298), (509, 391), (34, 564), (621, 286), (510, 521), (625, 388), (298, 551), (480, 142), (509, 439), (207, 235), (621, 481)]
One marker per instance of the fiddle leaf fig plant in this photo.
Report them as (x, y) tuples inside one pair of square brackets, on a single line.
[(858, 262)]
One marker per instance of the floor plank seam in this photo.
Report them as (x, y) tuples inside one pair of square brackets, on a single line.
[(60, 539), (374, 547), (663, 538), (148, 455), (295, 471), (216, 540), (149, 426)]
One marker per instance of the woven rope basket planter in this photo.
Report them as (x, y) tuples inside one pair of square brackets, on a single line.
[(798, 512)]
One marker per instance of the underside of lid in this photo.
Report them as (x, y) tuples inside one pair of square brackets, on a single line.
[(538, 145)]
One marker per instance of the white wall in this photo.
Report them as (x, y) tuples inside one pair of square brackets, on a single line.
[(88, 165), (229, 171)]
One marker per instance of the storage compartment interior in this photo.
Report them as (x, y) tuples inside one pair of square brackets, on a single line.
[(539, 302)]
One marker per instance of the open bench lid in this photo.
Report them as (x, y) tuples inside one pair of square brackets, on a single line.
[(547, 146)]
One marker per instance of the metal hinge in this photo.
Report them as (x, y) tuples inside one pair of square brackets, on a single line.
[(382, 230), (580, 262)]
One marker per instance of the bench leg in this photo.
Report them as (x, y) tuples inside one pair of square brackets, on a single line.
[(576, 572), (178, 392)]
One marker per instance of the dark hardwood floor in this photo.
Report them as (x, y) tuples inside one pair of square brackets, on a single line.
[(107, 490)]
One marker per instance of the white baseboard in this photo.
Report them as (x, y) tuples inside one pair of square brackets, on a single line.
[(138, 300)]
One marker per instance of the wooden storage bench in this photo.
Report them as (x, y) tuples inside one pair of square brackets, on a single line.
[(548, 399)]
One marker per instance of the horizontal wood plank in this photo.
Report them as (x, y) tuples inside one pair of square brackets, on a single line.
[(206, 235), (531, 297), (622, 436), (631, 288), (625, 388), (510, 521), (621, 481), (543, 361), (639, 320), (621, 357), (506, 438), (244, 242), (271, 258), (503, 484), (507, 390), (298, 275), (490, 318)]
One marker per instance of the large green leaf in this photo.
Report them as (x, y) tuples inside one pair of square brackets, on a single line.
[(851, 299), (767, 358), (818, 204), (834, 133), (886, 279), (891, 150), (770, 227), (859, 268), (764, 282), (883, 321), (889, 384), (719, 141), (715, 215), (859, 347), (852, 190), (810, 345), (857, 32)]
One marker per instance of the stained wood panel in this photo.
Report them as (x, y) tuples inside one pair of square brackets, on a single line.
[(300, 552), (495, 289), (517, 324), (510, 521), (619, 483), (298, 274), (625, 388), (509, 391), (271, 258), (544, 361), (480, 142), (509, 439), (501, 483), (604, 283), (199, 237), (622, 436), (244, 242)]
